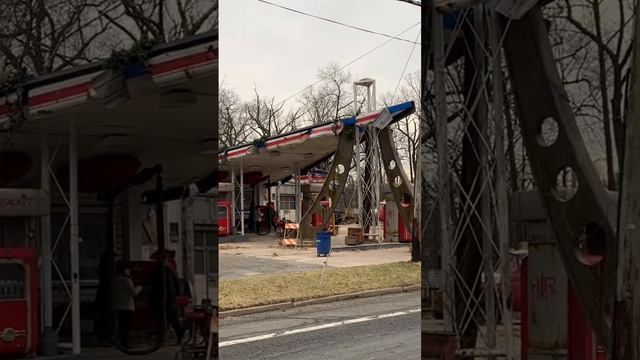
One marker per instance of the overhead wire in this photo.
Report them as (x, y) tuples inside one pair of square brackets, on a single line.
[(336, 22), (405, 68), (350, 63)]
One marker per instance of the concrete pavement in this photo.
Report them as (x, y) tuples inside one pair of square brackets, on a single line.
[(383, 327), (262, 256)]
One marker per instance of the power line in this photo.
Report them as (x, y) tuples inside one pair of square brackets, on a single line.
[(336, 22), (404, 69), (353, 61)]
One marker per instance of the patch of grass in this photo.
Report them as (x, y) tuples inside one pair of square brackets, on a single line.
[(273, 289)]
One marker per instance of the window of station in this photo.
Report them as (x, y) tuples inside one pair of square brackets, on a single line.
[(287, 202), (205, 251)]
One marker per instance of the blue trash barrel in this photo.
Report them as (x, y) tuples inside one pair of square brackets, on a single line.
[(323, 243)]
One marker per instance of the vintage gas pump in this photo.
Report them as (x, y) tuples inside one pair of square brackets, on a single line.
[(391, 220), (224, 218), (554, 325), (317, 219), (383, 220), (404, 234), (18, 302)]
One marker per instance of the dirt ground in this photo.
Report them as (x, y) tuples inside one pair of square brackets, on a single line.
[(262, 255)]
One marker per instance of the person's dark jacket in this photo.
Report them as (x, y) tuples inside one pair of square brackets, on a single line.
[(156, 291)]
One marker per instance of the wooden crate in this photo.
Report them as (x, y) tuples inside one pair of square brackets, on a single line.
[(354, 236), (371, 238)]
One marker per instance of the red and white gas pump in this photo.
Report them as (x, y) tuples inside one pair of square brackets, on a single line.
[(404, 233), (554, 324), (18, 302), (224, 218), (383, 220)]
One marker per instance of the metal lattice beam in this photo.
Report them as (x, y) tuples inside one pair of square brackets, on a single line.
[(333, 185), (583, 217), (399, 183)]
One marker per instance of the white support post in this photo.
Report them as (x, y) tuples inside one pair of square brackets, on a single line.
[(377, 168), (45, 235), (357, 152), (234, 205), (277, 202), (298, 196), (74, 239), (355, 100), (241, 199), (373, 95)]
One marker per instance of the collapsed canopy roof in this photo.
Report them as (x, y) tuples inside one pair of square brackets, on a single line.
[(162, 111), (277, 157)]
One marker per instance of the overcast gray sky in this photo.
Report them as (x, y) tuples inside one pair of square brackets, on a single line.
[(280, 52)]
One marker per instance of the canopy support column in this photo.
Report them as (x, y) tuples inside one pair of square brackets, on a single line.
[(234, 204), (241, 199), (74, 239), (45, 235)]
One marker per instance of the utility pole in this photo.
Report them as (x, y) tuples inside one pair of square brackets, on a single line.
[(627, 309)]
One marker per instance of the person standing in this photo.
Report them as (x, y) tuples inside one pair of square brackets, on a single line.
[(273, 216), (163, 288), (124, 293)]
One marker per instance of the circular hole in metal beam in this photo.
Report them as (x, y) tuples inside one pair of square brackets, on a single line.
[(591, 244), (340, 169), (397, 181), (406, 201), (325, 202), (333, 185), (392, 164), (547, 132), (566, 185)]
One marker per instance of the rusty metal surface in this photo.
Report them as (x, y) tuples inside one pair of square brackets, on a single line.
[(333, 185), (398, 180), (540, 95), (547, 293)]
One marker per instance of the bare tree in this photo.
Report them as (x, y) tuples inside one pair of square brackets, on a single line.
[(162, 20), (39, 37), (43, 36), (593, 38), (332, 99), (233, 127), (268, 118)]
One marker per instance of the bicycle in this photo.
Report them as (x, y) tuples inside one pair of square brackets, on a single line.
[(199, 341)]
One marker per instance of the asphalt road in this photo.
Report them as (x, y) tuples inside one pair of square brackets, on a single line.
[(383, 327)]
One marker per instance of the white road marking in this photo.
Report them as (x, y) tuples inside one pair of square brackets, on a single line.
[(314, 328)]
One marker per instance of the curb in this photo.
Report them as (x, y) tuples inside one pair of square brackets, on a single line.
[(370, 247), (322, 300), (233, 239)]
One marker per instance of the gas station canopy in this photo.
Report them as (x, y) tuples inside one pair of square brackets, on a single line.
[(162, 111), (276, 158)]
